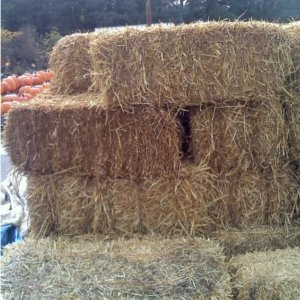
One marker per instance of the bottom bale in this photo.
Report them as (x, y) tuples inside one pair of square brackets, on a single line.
[(235, 242), (257, 197), (78, 205), (267, 275), (194, 202), (87, 267)]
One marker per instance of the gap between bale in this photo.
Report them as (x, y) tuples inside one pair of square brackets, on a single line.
[(90, 267)]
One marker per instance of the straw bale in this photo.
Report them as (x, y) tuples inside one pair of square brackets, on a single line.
[(181, 205), (235, 137), (293, 96), (293, 31), (79, 136), (71, 62), (267, 275), (89, 267), (254, 198), (235, 242), (194, 202), (168, 205), (191, 64)]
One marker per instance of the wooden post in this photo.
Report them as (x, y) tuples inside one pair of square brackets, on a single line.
[(148, 12)]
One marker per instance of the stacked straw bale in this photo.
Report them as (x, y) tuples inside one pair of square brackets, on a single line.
[(267, 275), (49, 136), (235, 242), (293, 97), (171, 204), (110, 157), (191, 64), (90, 268), (70, 60), (235, 137), (193, 202)]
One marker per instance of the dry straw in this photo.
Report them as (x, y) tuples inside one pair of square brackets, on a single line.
[(168, 205), (235, 242), (253, 198), (70, 60), (193, 202), (267, 275), (237, 136), (50, 136), (293, 97), (86, 267), (191, 64)]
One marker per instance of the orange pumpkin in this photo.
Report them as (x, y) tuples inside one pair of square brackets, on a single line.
[(25, 79), (5, 107), (11, 82), (15, 78), (35, 90), (27, 95), (21, 80), (10, 98), (23, 98), (25, 89), (49, 75), (41, 75), (4, 87), (37, 80)]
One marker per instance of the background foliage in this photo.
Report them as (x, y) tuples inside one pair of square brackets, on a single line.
[(35, 26)]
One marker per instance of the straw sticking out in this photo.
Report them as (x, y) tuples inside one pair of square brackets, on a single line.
[(191, 64)]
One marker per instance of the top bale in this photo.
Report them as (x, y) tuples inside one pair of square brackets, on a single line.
[(71, 63), (191, 64)]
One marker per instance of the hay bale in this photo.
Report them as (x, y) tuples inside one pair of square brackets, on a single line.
[(181, 204), (267, 275), (168, 205), (194, 202), (191, 64), (292, 98), (255, 198), (71, 62), (50, 136), (292, 30), (238, 136), (87, 267), (235, 242)]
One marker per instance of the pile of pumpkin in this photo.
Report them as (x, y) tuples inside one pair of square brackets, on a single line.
[(22, 88)]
